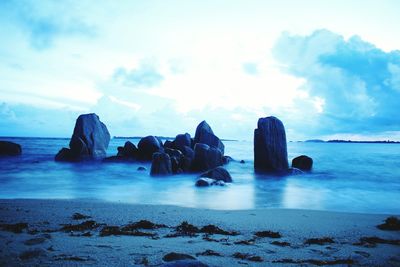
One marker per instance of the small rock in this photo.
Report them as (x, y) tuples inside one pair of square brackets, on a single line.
[(34, 241), (10, 149), (30, 254), (242, 162), (185, 263), (203, 182), (302, 162), (219, 174), (141, 168), (173, 256)]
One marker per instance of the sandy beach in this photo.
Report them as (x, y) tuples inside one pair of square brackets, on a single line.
[(73, 233)]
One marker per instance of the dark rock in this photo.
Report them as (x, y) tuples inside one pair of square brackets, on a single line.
[(10, 149), (269, 234), (84, 226), (89, 140), (79, 216), (129, 150), (215, 230), (176, 159), (185, 263), (117, 159), (141, 168), (161, 164), (147, 146), (226, 159), (15, 228), (173, 256), (206, 158), (35, 241), (31, 254), (219, 174), (302, 162), (169, 144), (270, 148), (205, 135), (391, 224), (242, 162), (182, 140), (203, 182), (319, 241)]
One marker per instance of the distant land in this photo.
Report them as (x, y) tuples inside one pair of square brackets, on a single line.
[(351, 141)]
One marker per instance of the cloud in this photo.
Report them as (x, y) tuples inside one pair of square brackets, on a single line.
[(145, 75), (353, 84), (44, 21)]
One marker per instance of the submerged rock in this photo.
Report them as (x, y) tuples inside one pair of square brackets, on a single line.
[(205, 135), (219, 174), (206, 158), (302, 162), (129, 150), (161, 164), (204, 182), (89, 141), (10, 148), (149, 145), (270, 148)]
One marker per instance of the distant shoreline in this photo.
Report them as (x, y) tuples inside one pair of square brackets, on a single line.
[(351, 141)]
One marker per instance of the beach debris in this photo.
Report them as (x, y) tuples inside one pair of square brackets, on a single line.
[(35, 241), (209, 252), (319, 241), (372, 241), (185, 229), (223, 241), (16, 228), (245, 242), (269, 234), (116, 230), (391, 224), (173, 256), (84, 226), (33, 253), (161, 164), (10, 148), (143, 224), (212, 229), (246, 256), (64, 257), (79, 216), (184, 263), (317, 262), (281, 244), (303, 163), (89, 140), (270, 148), (142, 261)]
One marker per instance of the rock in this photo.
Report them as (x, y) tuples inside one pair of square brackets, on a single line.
[(118, 159), (302, 162), (242, 162), (176, 159), (161, 164), (10, 149), (169, 144), (173, 256), (205, 135), (89, 140), (185, 263), (294, 171), (31, 254), (182, 140), (186, 162), (219, 174), (204, 181), (226, 159), (147, 146), (141, 168), (206, 158), (270, 149), (129, 150)]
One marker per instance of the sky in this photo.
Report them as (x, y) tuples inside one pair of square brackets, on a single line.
[(327, 69)]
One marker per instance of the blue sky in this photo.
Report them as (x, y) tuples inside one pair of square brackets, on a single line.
[(328, 69)]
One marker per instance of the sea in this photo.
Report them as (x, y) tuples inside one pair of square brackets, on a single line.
[(346, 177)]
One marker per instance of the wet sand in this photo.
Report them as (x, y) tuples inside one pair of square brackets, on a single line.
[(83, 232)]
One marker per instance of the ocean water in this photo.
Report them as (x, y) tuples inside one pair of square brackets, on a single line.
[(346, 177)]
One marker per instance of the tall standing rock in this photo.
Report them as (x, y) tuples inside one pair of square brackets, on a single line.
[(89, 141), (205, 135), (270, 149)]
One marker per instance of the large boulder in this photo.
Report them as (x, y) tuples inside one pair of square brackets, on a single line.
[(148, 146), (176, 159), (218, 174), (89, 140), (270, 148), (182, 140), (302, 162), (161, 164), (206, 158), (10, 149), (205, 135)]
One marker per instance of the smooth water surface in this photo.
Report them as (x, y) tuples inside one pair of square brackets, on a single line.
[(346, 177)]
